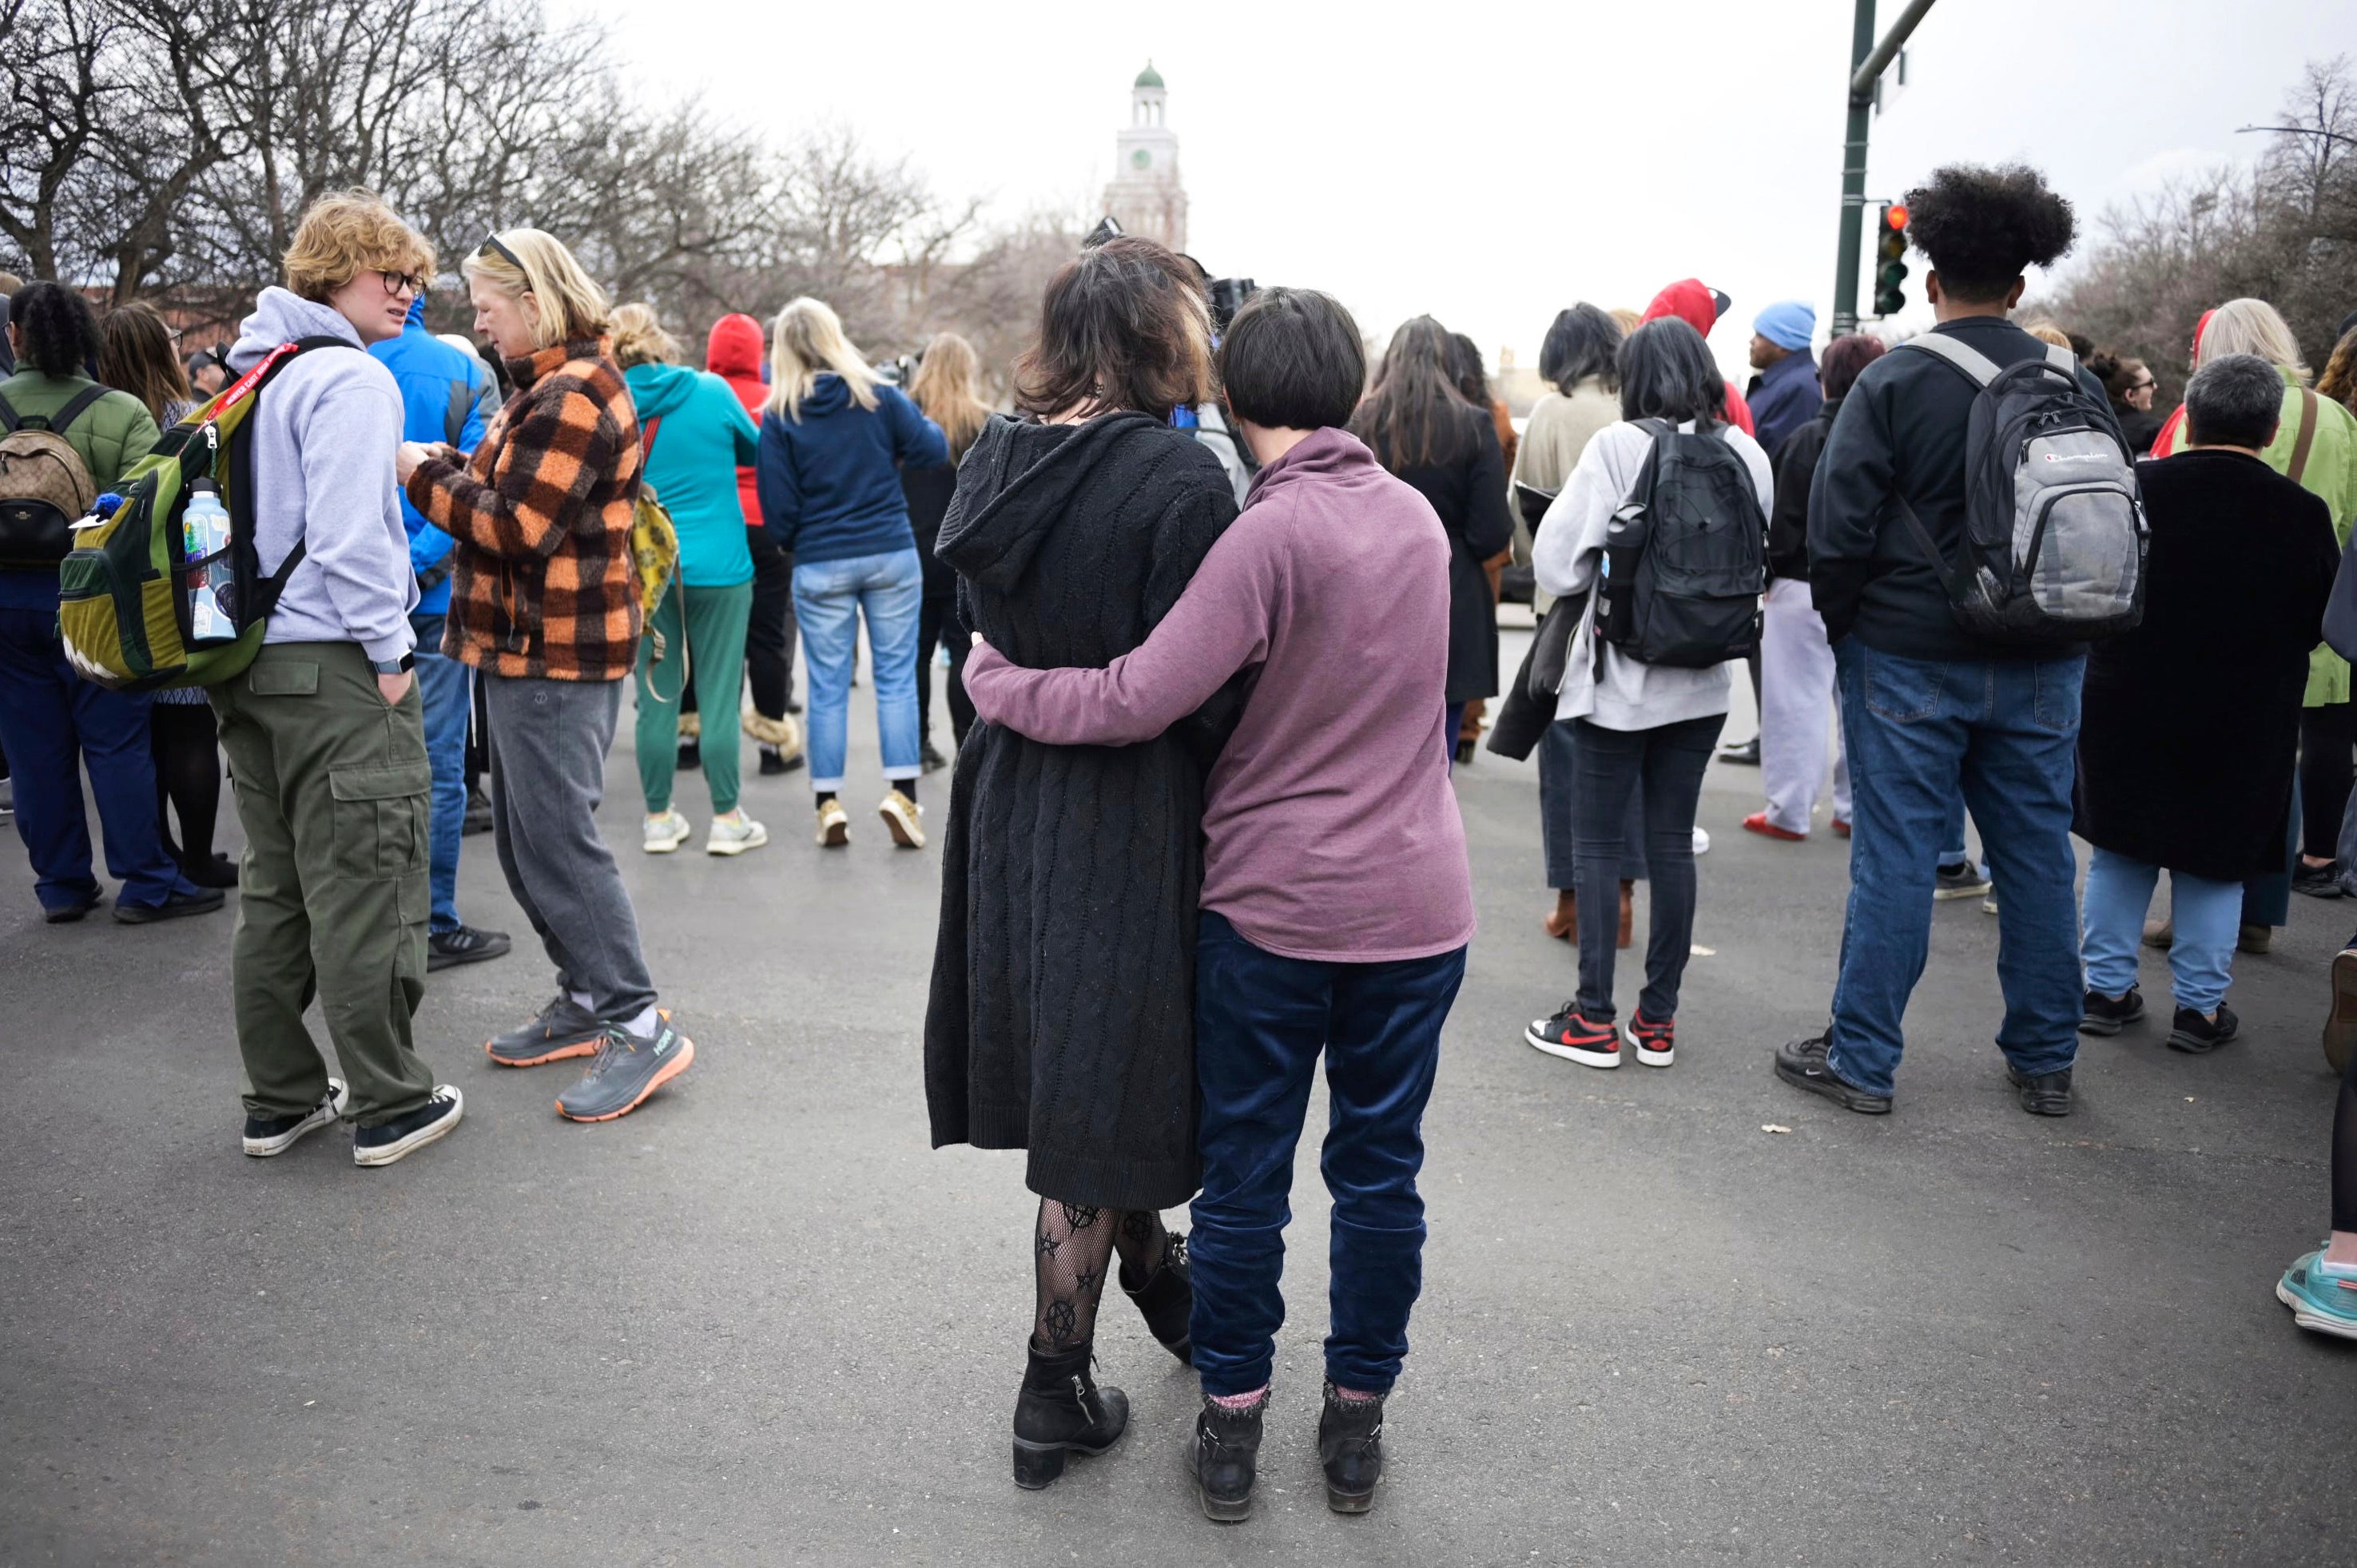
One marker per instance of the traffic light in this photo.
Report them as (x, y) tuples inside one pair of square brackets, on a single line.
[(1890, 260)]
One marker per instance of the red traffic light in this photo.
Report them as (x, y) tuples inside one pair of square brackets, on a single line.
[(1895, 216)]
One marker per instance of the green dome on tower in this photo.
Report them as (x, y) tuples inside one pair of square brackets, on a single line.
[(1149, 76)]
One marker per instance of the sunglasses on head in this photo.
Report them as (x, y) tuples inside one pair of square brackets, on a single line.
[(492, 245)]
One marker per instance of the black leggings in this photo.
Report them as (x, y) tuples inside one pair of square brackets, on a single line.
[(2345, 1152), (186, 744), (937, 623), (2326, 769), (1664, 765)]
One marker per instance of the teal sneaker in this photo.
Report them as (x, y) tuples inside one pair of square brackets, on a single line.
[(2321, 1305)]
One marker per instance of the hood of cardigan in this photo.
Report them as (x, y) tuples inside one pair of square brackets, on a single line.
[(1017, 480)]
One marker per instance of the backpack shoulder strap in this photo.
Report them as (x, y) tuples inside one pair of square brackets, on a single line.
[(7, 418), (1963, 356), (267, 591), (62, 421), (647, 444), (2063, 360), (2307, 438)]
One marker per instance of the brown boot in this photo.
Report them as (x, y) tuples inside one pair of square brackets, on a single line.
[(1562, 921), (1628, 913)]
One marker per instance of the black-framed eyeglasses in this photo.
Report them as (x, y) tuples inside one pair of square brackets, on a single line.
[(394, 281), (492, 243), (2145, 385)]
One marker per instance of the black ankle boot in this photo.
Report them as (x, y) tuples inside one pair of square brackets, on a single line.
[(1227, 1457), (1062, 1410), (1166, 1299), (1350, 1447)]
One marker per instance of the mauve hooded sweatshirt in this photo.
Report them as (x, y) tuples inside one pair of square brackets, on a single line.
[(324, 438)]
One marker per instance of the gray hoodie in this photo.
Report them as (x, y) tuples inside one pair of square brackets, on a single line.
[(324, 438)]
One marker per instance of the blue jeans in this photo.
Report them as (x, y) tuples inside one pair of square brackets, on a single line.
[(52, 723), (2208, 916), (1260, 1021), (447, 687), (2005, 734), (830, 597)]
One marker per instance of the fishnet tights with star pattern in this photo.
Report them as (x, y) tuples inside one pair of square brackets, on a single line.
[(1072, 1250)]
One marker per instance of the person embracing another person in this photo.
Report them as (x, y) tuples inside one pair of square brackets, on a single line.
[(544, 602), (1336, 902)]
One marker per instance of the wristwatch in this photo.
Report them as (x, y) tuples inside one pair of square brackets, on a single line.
[(401, 666)]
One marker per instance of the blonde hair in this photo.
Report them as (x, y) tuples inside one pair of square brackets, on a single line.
[(2251, 326), (639, 339), (946, 387), (2047, 332), (346, 233), (808, 342), (1628, 320), (572, 308)]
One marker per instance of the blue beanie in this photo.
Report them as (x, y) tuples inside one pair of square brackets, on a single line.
[(1788, 323)]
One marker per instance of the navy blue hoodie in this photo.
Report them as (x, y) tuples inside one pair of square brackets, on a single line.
[(830, 482)]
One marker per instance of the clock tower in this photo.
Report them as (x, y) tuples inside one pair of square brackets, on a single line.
[(1145, 197)]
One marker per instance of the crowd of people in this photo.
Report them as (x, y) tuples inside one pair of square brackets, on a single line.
[(1215, 613)]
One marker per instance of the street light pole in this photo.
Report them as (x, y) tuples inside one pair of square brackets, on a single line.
[(1868, 60)]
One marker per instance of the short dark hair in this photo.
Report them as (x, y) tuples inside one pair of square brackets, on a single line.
[(1292, 359), (57, 332), (1584, 341), (1666, 372), (1843, 358), (2235, 399), (1122, 326), (1981, 227)]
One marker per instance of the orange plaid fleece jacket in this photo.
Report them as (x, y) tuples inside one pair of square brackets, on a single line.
[(541, 584)]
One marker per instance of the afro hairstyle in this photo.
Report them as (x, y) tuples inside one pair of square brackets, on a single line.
[(1981, 227)]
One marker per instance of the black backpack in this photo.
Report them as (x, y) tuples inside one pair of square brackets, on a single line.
[(1685, 558), (2054, 530)]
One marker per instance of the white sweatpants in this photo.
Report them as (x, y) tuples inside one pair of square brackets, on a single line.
[(1799, 701)]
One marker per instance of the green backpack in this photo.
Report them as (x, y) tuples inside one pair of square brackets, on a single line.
[(124, 590)]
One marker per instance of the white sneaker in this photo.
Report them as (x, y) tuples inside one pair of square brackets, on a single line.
[(1702, 841), (901, 814), (735, 833), (834, 825), (666, 833)]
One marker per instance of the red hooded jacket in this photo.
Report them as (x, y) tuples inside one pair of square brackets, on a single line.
[(1692, 303), (733, 353)]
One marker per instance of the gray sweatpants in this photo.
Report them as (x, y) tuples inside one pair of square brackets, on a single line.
[(548, 744)]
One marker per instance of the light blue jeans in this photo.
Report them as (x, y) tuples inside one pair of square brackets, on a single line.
[(830, 598), (447, 688), (2208, 916)]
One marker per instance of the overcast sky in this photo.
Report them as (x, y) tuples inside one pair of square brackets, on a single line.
[(1492, 163)]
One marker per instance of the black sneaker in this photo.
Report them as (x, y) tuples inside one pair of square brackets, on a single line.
[(772, 763), (1744, 754), (933, 759), (268, 1135), (1801, 1064), (2316, 880), (2042, 1093), (67, 914), (1351, 1448), (2102, 1014), (1962, 880), (463, 944), (2191, 1033), (404, 1135), (203, 901), (1225, 1459)]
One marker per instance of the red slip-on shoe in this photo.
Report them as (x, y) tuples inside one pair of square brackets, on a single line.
[(1758, 823), (1841, 827)]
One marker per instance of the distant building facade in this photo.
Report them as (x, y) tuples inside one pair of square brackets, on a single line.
[(1146, 195)]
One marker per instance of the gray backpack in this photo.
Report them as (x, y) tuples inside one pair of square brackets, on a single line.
[(2054, 528)]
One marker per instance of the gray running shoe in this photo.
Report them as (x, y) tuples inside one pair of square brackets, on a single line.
[(559, 1030), (628, 1068)]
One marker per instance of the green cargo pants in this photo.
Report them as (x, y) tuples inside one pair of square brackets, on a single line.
[(332, 784)]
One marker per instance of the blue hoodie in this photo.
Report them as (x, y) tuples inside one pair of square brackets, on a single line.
[(442, 395), (697, 432), (831, 482)]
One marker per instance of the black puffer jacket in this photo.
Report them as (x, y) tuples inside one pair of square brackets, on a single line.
[(1061, 1019)]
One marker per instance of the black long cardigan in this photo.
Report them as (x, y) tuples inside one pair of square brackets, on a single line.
[(2189, 724), (1062, 1018), (1468, 492)]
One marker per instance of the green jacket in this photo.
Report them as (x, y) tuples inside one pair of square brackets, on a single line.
[(2330, 474), (113, 434)]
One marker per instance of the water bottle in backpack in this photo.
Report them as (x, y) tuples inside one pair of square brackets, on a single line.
[(204, 541)]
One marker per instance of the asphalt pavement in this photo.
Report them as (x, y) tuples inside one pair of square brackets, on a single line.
[(1677, 1316)]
